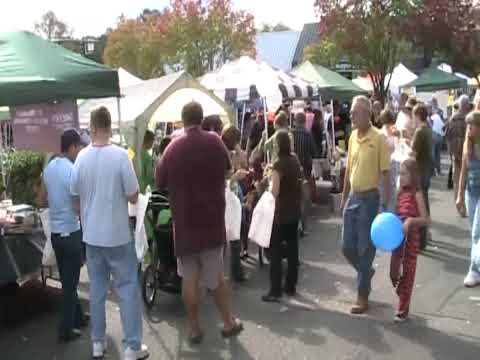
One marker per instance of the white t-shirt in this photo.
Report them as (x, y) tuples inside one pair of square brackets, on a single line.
[(103, 178), (437, 124), (405, 123)]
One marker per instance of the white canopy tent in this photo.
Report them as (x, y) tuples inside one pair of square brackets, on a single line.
[(126, 79), (400, 76), (245, 79), (152, 101)]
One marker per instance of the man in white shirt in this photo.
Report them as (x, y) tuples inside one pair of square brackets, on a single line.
[(104, 180), (437, 127)]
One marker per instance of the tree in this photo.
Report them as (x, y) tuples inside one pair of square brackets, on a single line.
[(199, 35), (449, 27), (139, 45), (325, 53), (274, 28), (52, 28), (209, 34), (368, 32)]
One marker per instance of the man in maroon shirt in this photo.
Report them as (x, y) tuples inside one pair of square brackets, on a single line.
[(193, 169)]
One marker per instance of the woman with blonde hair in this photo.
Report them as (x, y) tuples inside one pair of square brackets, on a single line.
[(468, 197)]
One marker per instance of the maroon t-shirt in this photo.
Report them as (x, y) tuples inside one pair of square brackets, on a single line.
[(193, 170)]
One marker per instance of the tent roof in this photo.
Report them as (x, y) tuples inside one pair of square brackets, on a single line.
[(434, 79), (34, 70), (136, 99), (400, 76), (331, 84), (127, 79), (245, 79)]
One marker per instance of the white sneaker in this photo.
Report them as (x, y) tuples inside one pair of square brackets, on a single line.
[(472, 279), (99, 349), (136, 355)]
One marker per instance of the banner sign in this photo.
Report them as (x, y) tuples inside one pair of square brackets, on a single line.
[(39, 127)]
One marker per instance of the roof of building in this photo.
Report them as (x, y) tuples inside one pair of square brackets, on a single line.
[(277, 48), (309, 35)]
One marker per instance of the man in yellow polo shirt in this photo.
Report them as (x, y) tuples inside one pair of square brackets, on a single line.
[(368, 163)]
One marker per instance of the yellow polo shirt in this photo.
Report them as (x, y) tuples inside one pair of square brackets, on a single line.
[(368, 158)]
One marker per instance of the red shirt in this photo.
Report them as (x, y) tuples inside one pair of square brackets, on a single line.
[(193, 170)]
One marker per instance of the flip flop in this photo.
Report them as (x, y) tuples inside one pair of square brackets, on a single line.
[(234, 331)]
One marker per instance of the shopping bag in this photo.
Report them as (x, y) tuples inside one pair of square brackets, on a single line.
[(141, 242), (402, 151), (48, 258), (233, 215), (262, 220)]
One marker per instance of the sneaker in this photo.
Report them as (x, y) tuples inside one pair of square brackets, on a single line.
[(472, 279), (99, 349), (400, 318), (141, 354)]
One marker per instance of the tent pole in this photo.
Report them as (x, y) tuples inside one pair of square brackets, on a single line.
[(2, 167), (333, 128), (119, 110), (243, 121)]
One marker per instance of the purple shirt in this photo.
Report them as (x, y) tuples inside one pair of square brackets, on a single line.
[(193, 170)]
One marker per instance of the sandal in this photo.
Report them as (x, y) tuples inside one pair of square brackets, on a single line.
[(234, 331)]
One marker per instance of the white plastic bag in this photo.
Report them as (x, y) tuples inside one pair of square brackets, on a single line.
[(402, 151), (141, 242), (233, 215), (262, 220), (48, 258)]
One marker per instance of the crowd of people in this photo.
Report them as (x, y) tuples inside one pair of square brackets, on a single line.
[(390, 159)]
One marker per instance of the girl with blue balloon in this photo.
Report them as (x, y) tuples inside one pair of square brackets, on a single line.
[(412, 210)]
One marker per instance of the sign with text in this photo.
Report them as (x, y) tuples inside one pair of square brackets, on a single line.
[(38, 127)]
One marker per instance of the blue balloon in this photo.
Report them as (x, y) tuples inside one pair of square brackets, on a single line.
[(387, 232)]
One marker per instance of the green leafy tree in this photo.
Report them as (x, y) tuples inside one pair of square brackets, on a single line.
[(369, 33), (273, 28), (326, 53), (52, 27)]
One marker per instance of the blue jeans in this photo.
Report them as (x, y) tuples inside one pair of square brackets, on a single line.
[(437, 151), (120, 262), (358, 249), (472, 199)]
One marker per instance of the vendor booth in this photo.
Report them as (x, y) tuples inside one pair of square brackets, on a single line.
[(40, 82), (434, 79), (245, 80), (144, 105)]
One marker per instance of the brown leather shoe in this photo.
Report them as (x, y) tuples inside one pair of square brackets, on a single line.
[(361, 306)]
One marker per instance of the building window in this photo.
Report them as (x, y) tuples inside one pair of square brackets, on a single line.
[(89, 47)]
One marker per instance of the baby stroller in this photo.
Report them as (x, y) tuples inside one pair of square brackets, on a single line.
[(161, 273)]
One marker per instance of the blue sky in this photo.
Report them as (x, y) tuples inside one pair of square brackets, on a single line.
[(92, 17)]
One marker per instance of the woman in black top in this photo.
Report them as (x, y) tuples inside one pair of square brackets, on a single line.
[(287, 190)]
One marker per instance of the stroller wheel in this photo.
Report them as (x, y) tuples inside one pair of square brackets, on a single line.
[(149, 286)]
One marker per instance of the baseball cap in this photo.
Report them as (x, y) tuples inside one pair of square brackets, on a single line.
[(71, 137)]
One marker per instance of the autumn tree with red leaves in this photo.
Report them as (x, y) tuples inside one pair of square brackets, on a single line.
[(369, 32), (450, 27), (199, 35)]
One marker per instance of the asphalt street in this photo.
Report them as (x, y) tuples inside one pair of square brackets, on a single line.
[(445, 321)]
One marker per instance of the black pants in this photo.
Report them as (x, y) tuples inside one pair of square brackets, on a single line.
[(284, 242), (68, 252), (425, 187), (236, 268)]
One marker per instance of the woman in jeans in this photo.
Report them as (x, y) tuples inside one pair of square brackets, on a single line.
[(468, 197), (287, 190), (422, 148)]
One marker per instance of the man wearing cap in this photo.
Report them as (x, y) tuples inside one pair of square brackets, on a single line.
[(66, 235)]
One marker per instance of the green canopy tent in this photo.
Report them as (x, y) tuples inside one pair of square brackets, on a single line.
[(34, 71), (434, 79), (331, 85)]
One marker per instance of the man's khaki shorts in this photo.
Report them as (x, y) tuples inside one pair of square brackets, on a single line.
[(207, 265)]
